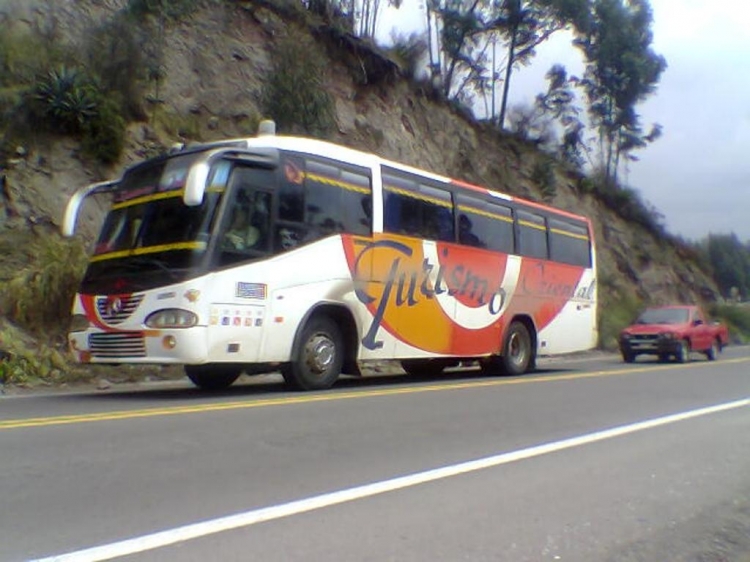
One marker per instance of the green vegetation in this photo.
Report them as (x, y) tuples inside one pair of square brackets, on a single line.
[(616, 311), (171, 9), (38, 297), (543, 175), (737, 319), (294, 94), (24, 364), (36, 301), (730, 261)]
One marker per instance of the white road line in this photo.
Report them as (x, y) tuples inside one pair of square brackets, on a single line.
[(204, 528)]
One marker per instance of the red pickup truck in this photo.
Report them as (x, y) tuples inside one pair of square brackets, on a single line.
[(672, 331)]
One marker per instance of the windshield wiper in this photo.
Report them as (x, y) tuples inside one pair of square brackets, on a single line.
[(144, 260)]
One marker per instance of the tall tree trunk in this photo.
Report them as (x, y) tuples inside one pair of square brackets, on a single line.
[(508, 70)]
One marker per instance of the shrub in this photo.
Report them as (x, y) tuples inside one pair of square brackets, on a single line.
[(65, 98), (38, 297), (294, 94), (104, 133), (737, 319), (24, 54), (616, 311), (172, 9), (410, 51), (115, 54), (543, 175), (23, 365)]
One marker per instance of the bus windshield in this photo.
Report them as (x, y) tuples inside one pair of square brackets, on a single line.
[(149, 232)]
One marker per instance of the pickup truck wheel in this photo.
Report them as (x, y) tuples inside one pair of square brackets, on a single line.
[(683, 353), (628, 356), (663, 357), (713, 352)]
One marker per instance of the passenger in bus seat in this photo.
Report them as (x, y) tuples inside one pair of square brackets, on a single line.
[(465, 235)]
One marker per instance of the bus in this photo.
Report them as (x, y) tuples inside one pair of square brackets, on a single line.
[(280, 253)]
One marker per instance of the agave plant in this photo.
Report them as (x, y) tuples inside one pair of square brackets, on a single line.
[(67, 99)]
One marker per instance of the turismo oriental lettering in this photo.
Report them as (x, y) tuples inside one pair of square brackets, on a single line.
[(404, 285)]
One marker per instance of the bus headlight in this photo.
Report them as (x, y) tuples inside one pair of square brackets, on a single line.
[(172, 318), (79, 323)]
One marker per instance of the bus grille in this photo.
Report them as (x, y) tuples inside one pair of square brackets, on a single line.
[(117, 345), (115, 310)]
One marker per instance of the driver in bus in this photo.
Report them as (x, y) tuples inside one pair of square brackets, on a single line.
[(241, 234)]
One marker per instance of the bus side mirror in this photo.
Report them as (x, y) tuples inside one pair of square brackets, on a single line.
[(76, 200), (195, 185)]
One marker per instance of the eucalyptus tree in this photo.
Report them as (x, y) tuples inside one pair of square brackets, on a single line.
[(526, 24), (559, 102), (621, 70), (459, 54), (730, 261)]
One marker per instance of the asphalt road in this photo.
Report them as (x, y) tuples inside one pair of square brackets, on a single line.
[(587, 460)]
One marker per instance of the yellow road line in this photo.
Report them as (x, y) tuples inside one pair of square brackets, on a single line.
[(331, 396)]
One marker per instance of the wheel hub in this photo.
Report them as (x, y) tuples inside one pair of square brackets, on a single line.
[(516, 349), (320, 352)]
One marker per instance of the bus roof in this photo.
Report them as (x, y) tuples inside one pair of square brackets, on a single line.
[(358, 157)]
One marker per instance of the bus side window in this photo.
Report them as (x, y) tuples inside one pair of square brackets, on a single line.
[(484, 224), (532, 235), (417, 209), (569, 243), (356, 202), (291, 190)]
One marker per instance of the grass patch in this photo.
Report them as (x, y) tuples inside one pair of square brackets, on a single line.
[(614, 315), (38, 296)]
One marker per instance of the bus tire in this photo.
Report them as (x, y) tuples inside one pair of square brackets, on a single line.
[(517, 356), (212, 377), (317, 357)]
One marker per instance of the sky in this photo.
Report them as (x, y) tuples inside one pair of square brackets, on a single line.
[(697, 174)]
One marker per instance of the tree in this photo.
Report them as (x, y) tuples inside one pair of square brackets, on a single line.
[(621, 71), (459, 26), (730, 261), (559, 103), (526, 24), (361, 16)]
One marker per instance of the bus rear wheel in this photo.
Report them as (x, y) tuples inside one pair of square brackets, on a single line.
[(517, 353), (212, 377), (317, 358)]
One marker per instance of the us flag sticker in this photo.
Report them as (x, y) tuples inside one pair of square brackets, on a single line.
[(251, 290)]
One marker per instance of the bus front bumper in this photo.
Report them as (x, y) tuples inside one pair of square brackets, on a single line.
[(144, 346)]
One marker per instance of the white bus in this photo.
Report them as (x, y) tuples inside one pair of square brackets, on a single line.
[(284, 253)]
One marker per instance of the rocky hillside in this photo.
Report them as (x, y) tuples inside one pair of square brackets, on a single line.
[(214, 65)]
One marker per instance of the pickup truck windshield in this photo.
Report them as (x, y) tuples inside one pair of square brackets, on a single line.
[(664, 316)]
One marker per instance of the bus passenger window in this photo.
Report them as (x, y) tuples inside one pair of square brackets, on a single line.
[(485, 224), (532, 235), (569, 243), (465, 234)]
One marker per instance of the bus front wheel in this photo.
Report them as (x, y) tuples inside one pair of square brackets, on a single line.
[(317, 358), (212, 377)]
